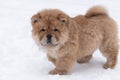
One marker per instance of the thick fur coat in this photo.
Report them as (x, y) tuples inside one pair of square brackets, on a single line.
[(69, 40)]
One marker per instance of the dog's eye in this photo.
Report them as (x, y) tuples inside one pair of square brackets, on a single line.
[(63, 21), (42, 30), (55, 29)]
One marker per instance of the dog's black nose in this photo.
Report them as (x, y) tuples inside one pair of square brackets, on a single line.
[(49, 38)]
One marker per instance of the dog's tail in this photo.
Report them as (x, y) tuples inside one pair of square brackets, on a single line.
[(96, 11)]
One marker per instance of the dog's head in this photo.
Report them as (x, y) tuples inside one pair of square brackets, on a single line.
[(50, 28)]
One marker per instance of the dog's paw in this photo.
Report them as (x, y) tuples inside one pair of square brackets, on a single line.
[(60, 72), (53, 72), (106, 66)]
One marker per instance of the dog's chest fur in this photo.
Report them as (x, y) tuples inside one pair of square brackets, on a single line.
[(53, 53)]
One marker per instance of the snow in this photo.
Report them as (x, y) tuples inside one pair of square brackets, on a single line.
[(20, 58)]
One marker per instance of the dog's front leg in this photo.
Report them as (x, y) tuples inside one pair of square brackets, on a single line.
[(63, 65)]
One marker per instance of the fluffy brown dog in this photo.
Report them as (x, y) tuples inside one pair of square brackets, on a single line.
[(68, 40)]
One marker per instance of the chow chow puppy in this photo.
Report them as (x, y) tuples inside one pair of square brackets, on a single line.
[(69, 40)]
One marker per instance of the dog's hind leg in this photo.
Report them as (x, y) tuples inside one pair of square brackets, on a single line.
[(109, 49)]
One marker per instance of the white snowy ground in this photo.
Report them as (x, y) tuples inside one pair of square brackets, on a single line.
[(20, 58)]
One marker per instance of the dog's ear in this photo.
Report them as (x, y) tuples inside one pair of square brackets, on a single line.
[(35, 18), (62, 18)]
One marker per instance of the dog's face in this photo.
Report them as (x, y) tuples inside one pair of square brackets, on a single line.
[(49, 28)]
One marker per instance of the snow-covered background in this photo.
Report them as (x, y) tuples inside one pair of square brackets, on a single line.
[(20, 58)]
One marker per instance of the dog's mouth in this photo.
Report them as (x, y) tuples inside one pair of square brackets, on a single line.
[(50, 45)]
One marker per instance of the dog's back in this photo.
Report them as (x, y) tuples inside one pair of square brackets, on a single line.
[(98, 30)]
